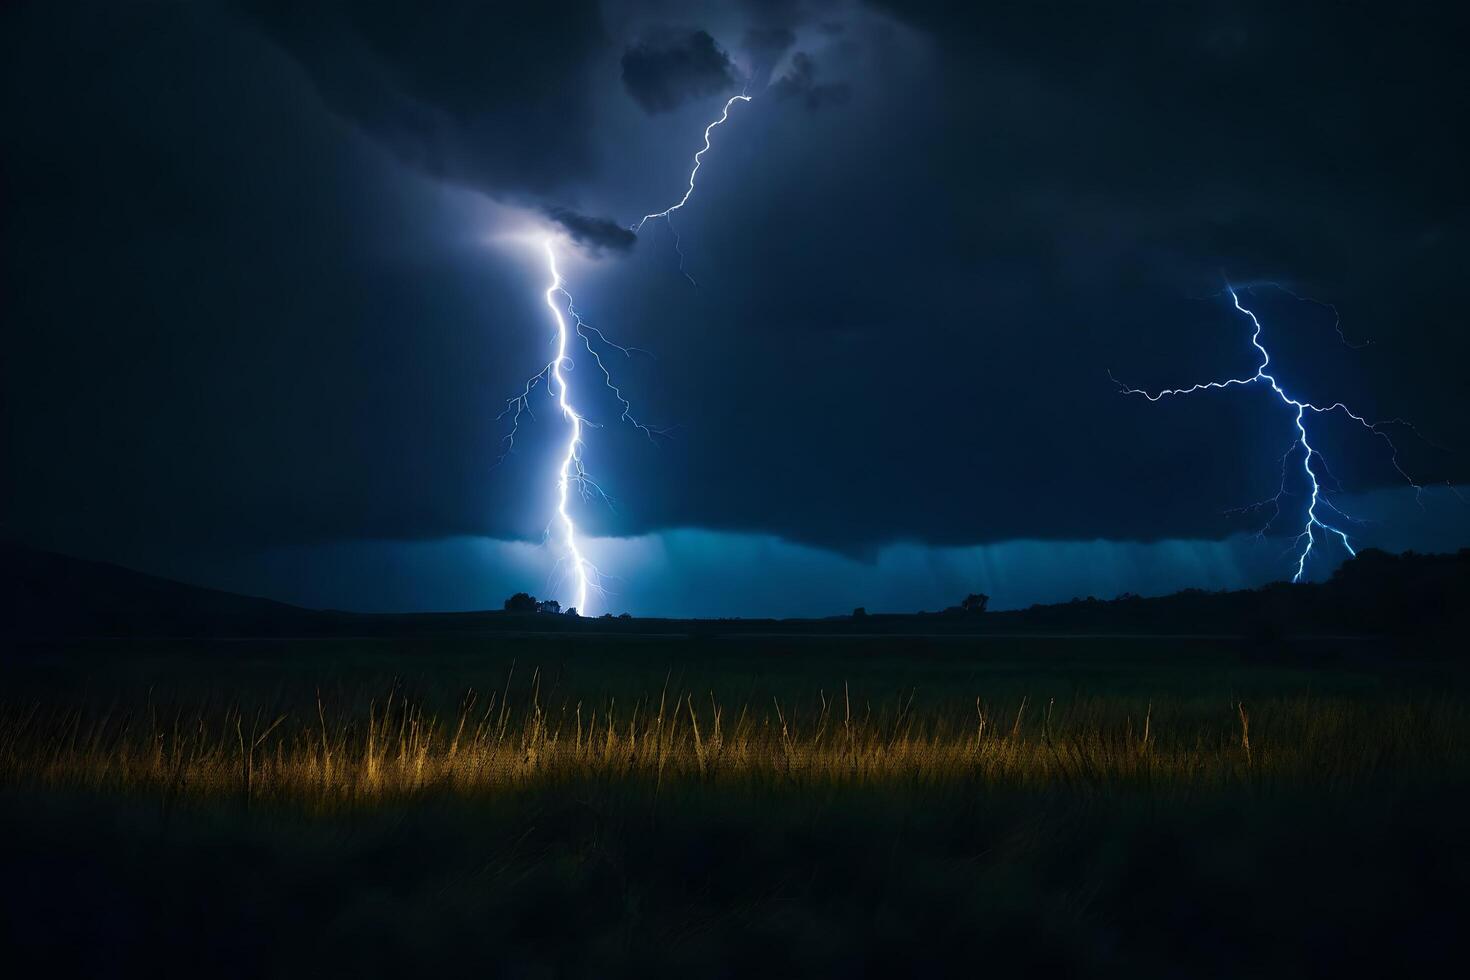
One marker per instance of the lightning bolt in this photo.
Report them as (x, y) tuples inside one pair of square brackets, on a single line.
[(572, 471), (584, 575), (1322, 515), (667, 213), (553, 377)]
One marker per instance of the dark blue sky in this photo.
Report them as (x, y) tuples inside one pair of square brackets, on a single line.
[(269, 275)]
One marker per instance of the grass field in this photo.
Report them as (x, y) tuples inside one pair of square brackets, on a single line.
[(594, 806)]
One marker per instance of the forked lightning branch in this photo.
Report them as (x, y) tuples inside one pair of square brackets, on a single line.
[(1322, 518)]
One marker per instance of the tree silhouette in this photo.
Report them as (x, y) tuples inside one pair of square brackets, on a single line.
[(975, 602), (521, 602)]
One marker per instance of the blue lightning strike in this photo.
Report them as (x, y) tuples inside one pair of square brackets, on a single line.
[(1315, 522), (667, 213)]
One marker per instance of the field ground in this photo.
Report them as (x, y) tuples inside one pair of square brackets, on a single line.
[(644, 806)]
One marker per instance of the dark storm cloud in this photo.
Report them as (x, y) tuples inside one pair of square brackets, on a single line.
[(594, 234), (662, 75), (768, 44), (770, 33), (936, 282), (231, 320), (801, 83), (235, 319), (493, 96)]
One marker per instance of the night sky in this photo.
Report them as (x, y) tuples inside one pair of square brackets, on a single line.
[(271, 270)]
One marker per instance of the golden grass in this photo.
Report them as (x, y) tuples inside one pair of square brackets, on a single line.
[(396, 749)]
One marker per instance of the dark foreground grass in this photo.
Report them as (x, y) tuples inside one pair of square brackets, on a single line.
[(1178, 811), (591, 878)]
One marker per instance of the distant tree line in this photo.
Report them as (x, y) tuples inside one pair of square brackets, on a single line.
[(971, 605), (1374, 593), (524, 602)]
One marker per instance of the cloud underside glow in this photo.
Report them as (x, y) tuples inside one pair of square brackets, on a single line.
[(693, 572)]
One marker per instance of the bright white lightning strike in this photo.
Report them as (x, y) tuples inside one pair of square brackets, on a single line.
[(1307, 539), (584, 574), (571, 471), (582, 571), (667, 213)]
